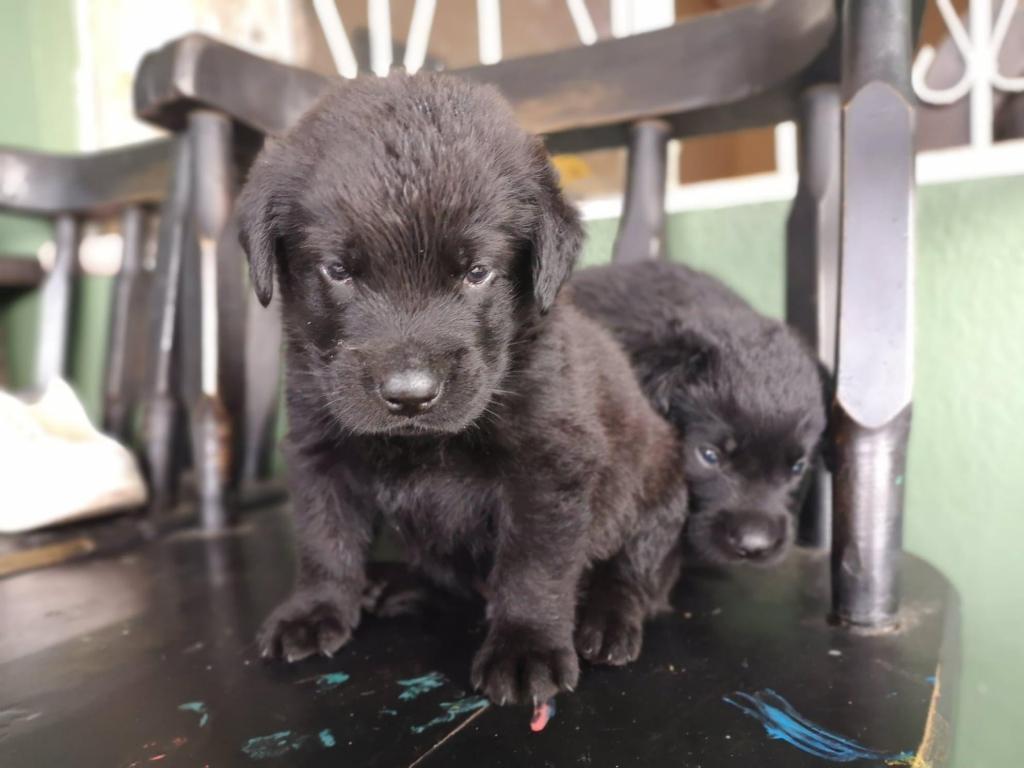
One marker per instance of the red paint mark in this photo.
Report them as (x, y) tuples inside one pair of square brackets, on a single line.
[(178, 741), (542, 714), (155, 758)]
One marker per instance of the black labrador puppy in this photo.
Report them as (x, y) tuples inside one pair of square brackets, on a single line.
[(435, 380), (746, 394)]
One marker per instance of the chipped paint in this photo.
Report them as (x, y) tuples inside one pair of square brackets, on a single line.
[(417, 686), (452, 711), (199, 708), (782, 722), (273, 745)]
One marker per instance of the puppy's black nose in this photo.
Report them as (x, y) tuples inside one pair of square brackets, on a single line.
[(412, 391), (755, 536)]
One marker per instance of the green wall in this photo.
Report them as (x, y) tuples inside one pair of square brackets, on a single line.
[(38, 57), (37, 64), (965, 484)]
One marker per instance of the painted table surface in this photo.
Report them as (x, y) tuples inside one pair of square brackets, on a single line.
[(147, 658)]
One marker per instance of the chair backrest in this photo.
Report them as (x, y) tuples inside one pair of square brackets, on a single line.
[(753, 61), (71, 190)]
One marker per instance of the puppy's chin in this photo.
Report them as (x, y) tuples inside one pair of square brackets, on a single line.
[(703, 544)]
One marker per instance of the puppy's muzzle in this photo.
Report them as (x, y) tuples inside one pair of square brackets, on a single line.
[(752, 536), (411, 391)]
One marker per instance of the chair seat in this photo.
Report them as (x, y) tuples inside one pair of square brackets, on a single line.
[(120, 659)]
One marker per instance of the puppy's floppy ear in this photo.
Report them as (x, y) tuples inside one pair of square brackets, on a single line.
[(557, 234), (258, 229), (670, 367)]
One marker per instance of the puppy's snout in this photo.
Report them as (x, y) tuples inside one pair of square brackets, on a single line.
[(753, 535), (410, 391)]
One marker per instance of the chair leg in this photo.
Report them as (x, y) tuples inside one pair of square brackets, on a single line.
[(641, 234), (812, 268), (162, 409), (875, 334), (209, 134), (55, 304), (118, 390)]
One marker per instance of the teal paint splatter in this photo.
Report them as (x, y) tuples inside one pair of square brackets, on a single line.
[(330, 681), (416, 686), (326, 738), (388, 711), (452, 711), (782, 722), (199, 708), (273, 745)]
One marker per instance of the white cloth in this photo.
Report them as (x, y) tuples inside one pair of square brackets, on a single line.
[(56, 467)]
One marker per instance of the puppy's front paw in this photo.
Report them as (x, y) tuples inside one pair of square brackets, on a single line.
[(609, 634), (308, 623), (524, 665)]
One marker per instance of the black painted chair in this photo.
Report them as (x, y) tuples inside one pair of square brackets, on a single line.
[(836, 633), (70, 190), (759, 64)]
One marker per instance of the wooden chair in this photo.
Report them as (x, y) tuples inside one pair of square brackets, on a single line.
[(831, 632), (69, 190)]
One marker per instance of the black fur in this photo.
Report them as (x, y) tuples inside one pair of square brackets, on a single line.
[(419, 240), (730, 380)]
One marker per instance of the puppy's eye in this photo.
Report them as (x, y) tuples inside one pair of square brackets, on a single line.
[(478, 274), (798, 467), (336, 272), (709, 456)]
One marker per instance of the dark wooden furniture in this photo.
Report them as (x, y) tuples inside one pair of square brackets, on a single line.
[(149, 660), (758, 63), (70, 190)]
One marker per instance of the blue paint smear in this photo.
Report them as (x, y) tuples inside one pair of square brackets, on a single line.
[(452, 711), (199, 708), (930, 679), (784, 723), (273, 745), (330, 681), (326, 738), (416, 686), (388, 711)]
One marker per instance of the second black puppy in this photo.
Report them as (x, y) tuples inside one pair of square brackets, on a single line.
[(419, 239), (745, 393)]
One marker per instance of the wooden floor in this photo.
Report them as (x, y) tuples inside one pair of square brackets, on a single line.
[(146, 658)]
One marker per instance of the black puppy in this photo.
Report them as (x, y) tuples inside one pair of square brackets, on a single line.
[(419, 239), (745, 393)]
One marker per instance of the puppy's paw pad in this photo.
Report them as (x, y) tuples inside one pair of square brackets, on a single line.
[(299, 628), (608, 638), (520, 669)]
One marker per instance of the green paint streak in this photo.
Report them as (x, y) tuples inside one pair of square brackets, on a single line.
[(452, 711), (330, 681), (199, 708), (326, 738), (273, 745), (417, 686)]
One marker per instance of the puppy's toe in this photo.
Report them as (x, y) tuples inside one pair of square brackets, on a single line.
[(609, 639), (300, 628), (524, 668)]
